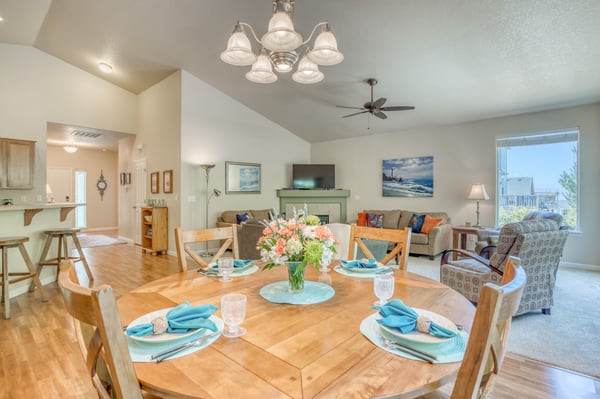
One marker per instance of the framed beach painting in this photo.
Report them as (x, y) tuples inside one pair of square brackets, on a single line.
[(242, 178), (408, 177)]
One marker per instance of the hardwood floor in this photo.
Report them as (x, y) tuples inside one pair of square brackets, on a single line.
[(40, 358)]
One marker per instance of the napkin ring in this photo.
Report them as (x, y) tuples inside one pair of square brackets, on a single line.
[(423, 323), (159, 325)]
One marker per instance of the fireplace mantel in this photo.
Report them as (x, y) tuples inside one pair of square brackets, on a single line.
[(314, 199)]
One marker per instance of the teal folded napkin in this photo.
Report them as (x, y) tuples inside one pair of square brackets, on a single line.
[(241, 262), (359, 264), (179, 320), (401, 317)]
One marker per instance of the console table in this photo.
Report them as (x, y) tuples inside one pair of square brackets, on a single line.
[(316, 201)]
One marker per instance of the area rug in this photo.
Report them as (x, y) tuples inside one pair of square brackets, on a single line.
[(98, 240), (569, 338)]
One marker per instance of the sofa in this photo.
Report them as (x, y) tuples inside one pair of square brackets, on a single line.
[(248, 230), (431, 243)]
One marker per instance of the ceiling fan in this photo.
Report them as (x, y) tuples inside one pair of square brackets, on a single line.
[(375, 107)]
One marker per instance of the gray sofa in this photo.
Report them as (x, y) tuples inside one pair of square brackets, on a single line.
[(248, 232), (438, 240)]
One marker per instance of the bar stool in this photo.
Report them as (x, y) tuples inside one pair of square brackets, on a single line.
[(12, 242), (62, 252)]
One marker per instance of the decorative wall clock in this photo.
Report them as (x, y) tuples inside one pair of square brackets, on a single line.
[(101, 185)]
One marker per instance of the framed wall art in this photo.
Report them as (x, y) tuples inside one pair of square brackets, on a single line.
[(242, 178), (408, 177), (168, 181), (154, 180)]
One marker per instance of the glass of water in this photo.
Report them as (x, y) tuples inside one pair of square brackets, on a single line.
[(383, 285), (233, 311), (225, 267)]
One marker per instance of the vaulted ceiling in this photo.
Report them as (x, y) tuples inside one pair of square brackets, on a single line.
[(454, 60)]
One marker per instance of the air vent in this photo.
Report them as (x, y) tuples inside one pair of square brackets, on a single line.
[(86, 134)]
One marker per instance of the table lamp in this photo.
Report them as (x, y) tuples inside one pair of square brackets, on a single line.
[(478, 193)]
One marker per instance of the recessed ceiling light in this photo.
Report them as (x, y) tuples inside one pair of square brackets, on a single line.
[(104, 67)]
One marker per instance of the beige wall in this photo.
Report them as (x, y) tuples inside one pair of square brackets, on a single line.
[(464, 154), (38, 88), (101, 213)]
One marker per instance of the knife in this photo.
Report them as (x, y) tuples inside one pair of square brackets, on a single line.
[(421, 354)]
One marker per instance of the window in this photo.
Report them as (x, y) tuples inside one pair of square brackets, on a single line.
[(538, 172)]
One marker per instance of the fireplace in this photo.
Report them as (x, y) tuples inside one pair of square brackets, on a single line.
[(329, 205)]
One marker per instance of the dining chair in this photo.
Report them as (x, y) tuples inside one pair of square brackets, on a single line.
[(488, 337), (341, 231), (400, 239), (100, 336), (183, 238)]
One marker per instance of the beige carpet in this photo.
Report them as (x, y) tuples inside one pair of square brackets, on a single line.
[(98, 240), (568, 338)]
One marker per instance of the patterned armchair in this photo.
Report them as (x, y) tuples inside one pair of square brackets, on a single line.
[(537, 240)]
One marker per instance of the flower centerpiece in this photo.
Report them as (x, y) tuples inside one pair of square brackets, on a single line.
[(296, 242)]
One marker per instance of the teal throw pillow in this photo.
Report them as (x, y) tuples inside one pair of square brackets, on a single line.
[(416, 222), (374, 220)]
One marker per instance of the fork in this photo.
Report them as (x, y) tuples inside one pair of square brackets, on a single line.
[(426, 356), (160, 356)]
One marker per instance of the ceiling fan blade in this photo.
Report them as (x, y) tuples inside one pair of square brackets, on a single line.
[(397, 108), (379, 102), (380, 115), (356, 113), (343, 106)]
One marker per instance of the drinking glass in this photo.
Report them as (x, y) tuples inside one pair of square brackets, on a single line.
[(233, 311), (225, 266), (383, 285)]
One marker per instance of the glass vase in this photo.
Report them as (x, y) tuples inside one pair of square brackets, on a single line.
[(295, 277)]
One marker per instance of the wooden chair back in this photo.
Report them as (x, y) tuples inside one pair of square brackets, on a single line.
[(106, 349), (183, 238), (488, 337), (400, 237)]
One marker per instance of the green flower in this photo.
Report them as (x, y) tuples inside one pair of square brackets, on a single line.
[(313, 220), (313, 251)]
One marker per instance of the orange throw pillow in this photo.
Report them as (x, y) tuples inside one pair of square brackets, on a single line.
[(362, 219), (429, 223)]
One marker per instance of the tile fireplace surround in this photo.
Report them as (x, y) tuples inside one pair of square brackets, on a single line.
[(331, 203)]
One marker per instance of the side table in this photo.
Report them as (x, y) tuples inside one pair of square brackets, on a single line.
[(460, 234)]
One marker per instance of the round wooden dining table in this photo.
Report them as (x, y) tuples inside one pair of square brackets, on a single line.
[(294, 351)]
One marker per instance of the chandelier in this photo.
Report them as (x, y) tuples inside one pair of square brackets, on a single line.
[(280, 47)]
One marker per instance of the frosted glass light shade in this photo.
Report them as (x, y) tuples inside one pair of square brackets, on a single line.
[(325, 51), (308, 72), (281, 35), (238, 51), (262, 71), (70, 148)]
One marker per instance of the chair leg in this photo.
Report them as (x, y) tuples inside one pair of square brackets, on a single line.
[(82, 257), (546, 311), (5, 282), (42, 259), (34, 275)]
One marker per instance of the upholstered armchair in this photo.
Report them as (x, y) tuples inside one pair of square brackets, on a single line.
[(537, 240)]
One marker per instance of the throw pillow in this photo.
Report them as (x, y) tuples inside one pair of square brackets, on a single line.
[(362, 219), (429, 223), (374, 220), (416, 222), (241, 218)]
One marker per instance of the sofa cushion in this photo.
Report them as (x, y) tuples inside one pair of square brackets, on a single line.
[(390, 217), (375, 220), (405, 218), (429, 223), (419, 238), (261, 214), (230, 216), (241, 218), (416, 222)]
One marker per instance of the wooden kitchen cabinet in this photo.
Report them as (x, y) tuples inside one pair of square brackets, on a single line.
[(16, 163)]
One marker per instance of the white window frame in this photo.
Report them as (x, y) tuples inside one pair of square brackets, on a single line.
[(544, 137)]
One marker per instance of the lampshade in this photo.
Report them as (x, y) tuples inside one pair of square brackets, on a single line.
[(325, 51), (281, 35), (478, 193), (262, 71), (238, 51), (308, 72)]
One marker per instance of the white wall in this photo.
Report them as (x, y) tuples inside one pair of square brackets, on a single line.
[(464, 154), (215, 128), (38, 88)]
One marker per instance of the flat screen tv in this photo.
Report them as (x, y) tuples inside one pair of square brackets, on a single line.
[(313, 177)]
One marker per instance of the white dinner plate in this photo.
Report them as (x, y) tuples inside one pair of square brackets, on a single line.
[(417, 336), (164, 337), (364, 269)]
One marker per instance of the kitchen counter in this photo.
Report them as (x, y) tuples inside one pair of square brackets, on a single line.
[(30, 210)]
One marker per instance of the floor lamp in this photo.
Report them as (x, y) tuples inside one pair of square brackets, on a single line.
[(209, 195), (478, 193)]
